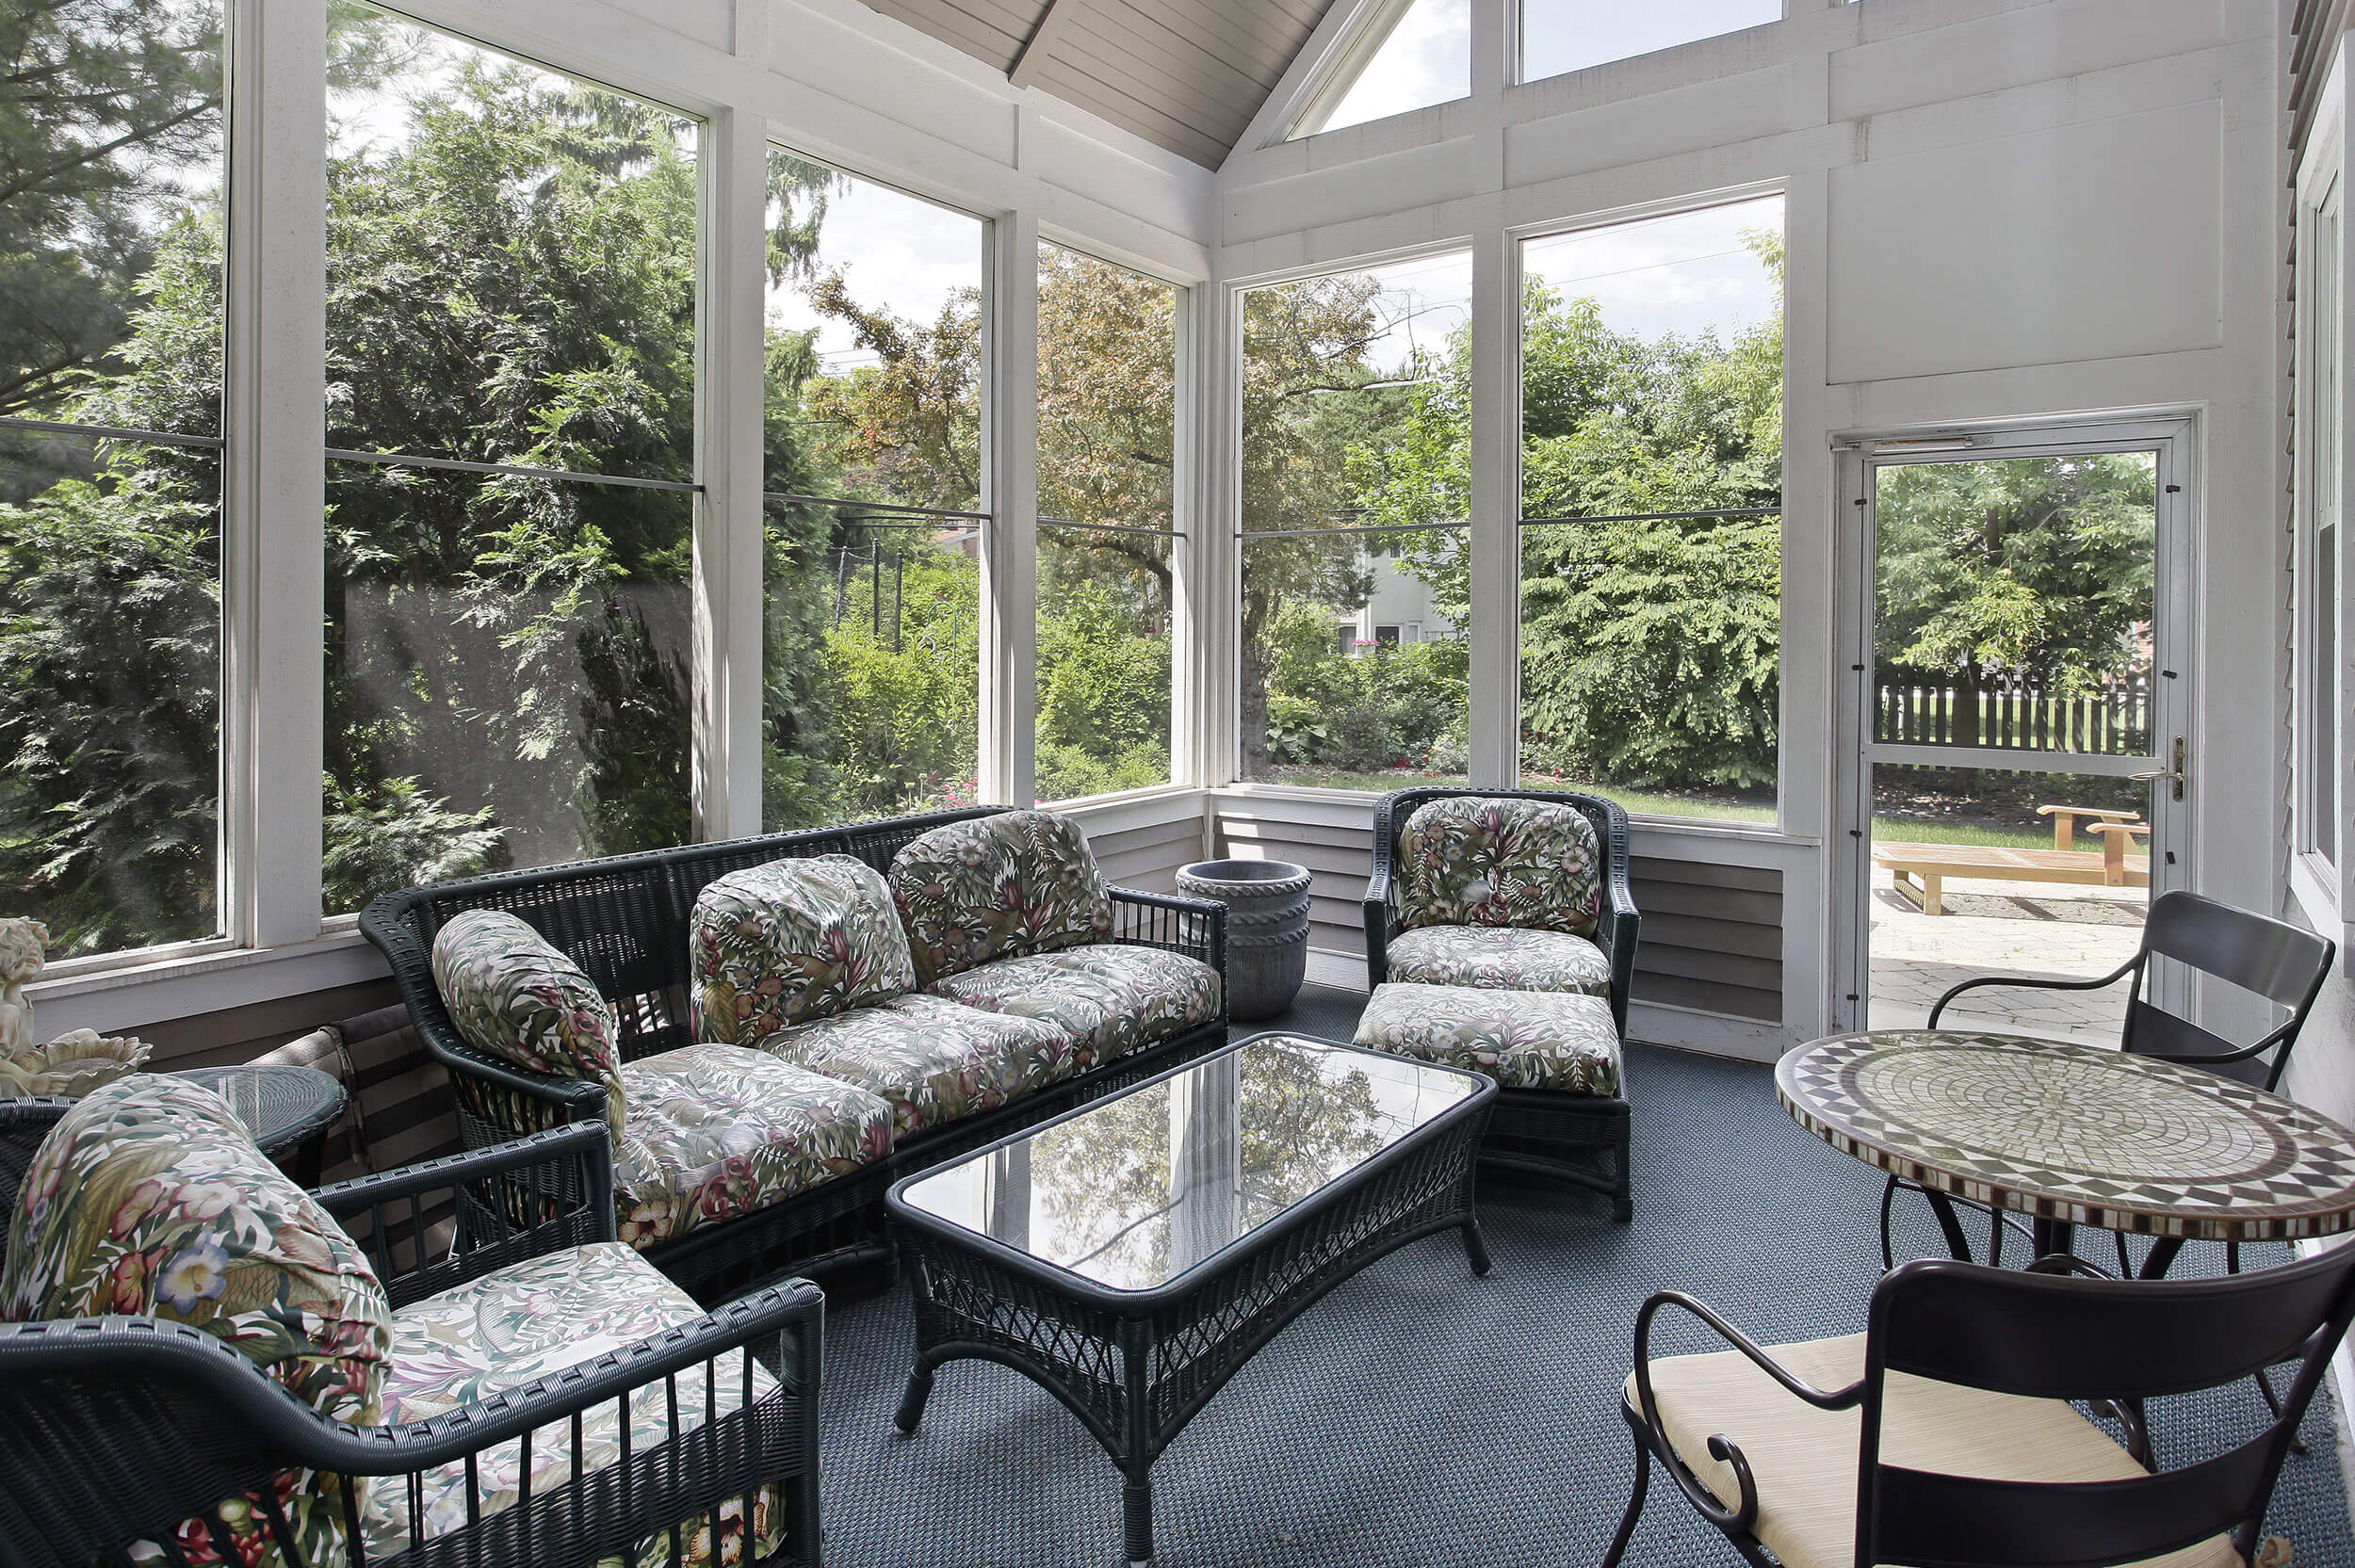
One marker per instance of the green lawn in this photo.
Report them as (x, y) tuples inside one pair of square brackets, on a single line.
[(1702, 808)]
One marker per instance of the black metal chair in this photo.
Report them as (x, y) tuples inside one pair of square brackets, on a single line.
[(113, 1430), (2282, 963), (1967, 1453)]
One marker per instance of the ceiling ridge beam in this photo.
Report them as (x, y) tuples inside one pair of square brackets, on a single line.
[(1053, 24)]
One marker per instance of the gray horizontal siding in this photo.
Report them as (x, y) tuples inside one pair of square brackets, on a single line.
[(1712, 936), (241, 1034), (1147, 858)]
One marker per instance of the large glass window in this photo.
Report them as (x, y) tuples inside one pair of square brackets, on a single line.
[(1356, 479), (111, 151), (510, 331), (1106, 533), (872, 658), (1559, 36), (1412, 55), (1651, 495)]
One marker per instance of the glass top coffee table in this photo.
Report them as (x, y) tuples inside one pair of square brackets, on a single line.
[(1131, 1256)]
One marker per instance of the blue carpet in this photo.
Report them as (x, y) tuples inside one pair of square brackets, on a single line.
[(1422, 1418)]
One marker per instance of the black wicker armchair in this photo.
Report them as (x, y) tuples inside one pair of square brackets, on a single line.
[(626, 922), (115, 1430), (1580, 1137), (1616, 933)]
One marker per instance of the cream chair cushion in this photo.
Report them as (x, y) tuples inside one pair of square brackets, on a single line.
[(1804, 1459)]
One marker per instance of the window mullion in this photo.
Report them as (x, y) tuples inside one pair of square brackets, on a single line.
[(1494, 760), (1009, 699), (730, 386), (274, 549)]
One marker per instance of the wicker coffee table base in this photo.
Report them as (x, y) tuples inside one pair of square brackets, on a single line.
[(1134, 1377)]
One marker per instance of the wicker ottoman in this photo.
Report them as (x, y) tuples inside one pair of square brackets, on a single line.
[(1555, 1056)]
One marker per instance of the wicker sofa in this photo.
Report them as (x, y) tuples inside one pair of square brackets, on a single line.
[(202, 1364), (1500, 936), (764, 1070)]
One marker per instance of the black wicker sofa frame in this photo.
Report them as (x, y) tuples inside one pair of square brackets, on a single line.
[(624, 920), (1577, 1137)]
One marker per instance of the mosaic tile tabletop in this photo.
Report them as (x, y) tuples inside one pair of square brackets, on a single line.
[(2080, 1133)]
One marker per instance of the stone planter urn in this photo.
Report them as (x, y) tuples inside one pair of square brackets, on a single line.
[(1267, 930)]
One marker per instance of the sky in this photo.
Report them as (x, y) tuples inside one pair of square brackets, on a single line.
[(1427, 58), (897, 252), (1682, 273)]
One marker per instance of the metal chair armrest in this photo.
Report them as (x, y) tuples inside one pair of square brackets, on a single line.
[(2032, 982), (1745, 1512)]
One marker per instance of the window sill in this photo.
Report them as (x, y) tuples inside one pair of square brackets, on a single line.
[(2311, 895), (151, 990)]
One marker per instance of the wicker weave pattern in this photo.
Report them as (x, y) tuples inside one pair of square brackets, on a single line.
[(626, 922)]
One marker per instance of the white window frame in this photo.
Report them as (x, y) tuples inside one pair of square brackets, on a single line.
[(2321, 883)]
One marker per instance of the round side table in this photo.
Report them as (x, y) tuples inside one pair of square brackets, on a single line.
[(287, 1109)]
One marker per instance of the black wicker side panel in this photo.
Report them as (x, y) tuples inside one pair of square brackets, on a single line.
[(24, 1123), (1574, 1138), (92, 1462), (1074, 1348)]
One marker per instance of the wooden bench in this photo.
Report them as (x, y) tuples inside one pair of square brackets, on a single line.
[(2064, 821), (1920, 870)]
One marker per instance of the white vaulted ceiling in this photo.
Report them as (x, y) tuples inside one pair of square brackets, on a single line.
[(1185, 74)]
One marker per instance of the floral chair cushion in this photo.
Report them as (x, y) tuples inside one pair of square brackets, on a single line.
[(719, 1131), (931, 1058), (989, 887), (772, 946), (1522, 1039), (516, 998), (1500, 957), (1107, 1000), (149, 1199), (533, 1320), (1469, 860)]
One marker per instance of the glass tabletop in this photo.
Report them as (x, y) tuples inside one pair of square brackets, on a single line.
[(1135, 1190)]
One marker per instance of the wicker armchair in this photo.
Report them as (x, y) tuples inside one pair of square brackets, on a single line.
[(1615, 932), (1525, 980), (626, 922), (122, 1430)]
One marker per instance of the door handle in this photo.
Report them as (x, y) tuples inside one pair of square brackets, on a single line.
[(2174, 773)]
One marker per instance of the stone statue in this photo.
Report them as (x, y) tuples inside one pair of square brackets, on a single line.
[(72, 1064), (23, 943)]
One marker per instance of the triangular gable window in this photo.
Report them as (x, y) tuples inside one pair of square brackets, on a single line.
[(1411, 55)]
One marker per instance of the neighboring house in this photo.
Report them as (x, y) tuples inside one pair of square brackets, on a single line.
[(1399, 611)]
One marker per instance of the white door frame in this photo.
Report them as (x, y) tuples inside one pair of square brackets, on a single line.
[(1860, 455)]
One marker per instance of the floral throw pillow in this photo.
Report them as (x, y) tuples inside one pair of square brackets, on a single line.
[(989, 887), (778, 945), (1469, 860), (149, 1199), (516, 998)]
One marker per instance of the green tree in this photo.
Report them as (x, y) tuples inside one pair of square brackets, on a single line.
[(2034, 567)]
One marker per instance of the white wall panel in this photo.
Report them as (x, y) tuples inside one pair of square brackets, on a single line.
[(1739, 109), (2052, 42), (2089, 242)]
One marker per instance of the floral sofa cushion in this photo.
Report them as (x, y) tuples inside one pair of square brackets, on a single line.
[(1522, 1039), (1469, 860), (1108, 999), (1500, 957), (149, 1199), (772, 946), (934, 1060), (718, 1131), (531, 1321), (513, 996), (990, 887)]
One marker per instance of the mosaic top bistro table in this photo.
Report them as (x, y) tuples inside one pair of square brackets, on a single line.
[(1131, 1256), (2071, 1135)]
